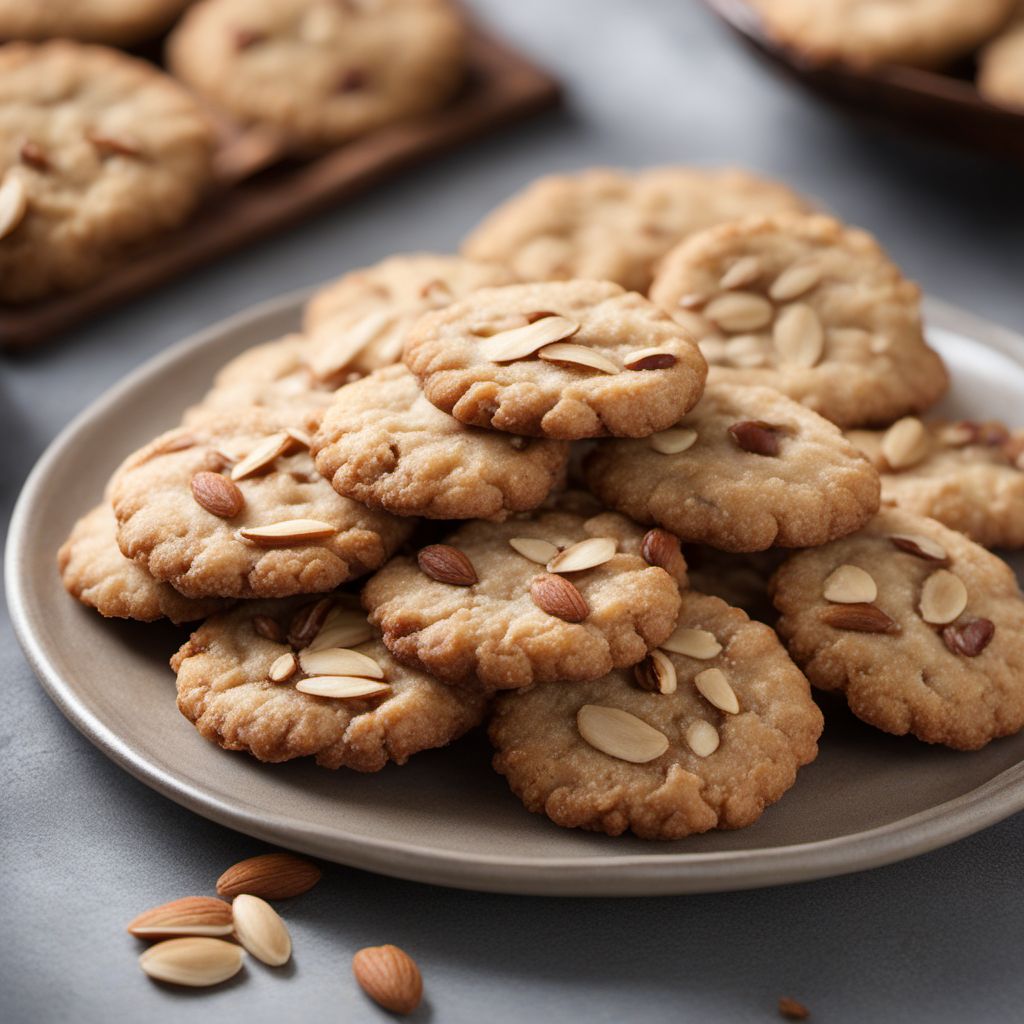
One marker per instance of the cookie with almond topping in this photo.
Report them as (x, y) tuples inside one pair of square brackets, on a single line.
[(234, 507), (383, 444), (705, 734), (810, 307), (917, 626), (967, 475), (98, 151), (95, 572), (113, 22), (260, 679), (566, 360), (542, 597), (746, 469), (317, 71)]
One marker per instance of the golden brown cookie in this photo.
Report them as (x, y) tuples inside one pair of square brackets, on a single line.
[(114, 22)]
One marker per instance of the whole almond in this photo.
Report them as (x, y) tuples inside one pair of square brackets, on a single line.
[(308, 620), (273, 876), (661, 548), (194, 961), (217, 494), (557, 596), (861, 618), (969, 638), (260, 930), (446, 564), (756, 437), (192, 915), (390, 977)]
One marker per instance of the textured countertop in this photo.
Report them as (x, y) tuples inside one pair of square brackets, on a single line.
[(84, 847)]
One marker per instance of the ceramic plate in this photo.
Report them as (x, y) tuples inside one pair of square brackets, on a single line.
[(446, 818)]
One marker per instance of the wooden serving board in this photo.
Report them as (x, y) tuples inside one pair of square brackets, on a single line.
[(262, 190)]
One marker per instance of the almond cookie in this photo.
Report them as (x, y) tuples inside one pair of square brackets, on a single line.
[(318, 71), (566, 360), (919, 627), (969, 476), (809, 307), (359, 322), (115, 22), (95, 572), (98, 151), (234, 507), (615, 225), (307, 677), (552, 596), (1001, 67), (705, 733), (383, 444), (746, 469), (865, 33)]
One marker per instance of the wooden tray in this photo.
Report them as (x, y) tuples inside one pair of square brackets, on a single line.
[(944, 106), (257, 199)]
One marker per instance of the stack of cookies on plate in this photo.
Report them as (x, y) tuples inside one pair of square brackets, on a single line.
[(510, 486)]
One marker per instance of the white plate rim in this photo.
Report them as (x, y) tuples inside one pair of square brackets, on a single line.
[(613, 874)]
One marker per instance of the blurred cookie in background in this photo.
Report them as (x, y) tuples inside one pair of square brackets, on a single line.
[(115, 22)]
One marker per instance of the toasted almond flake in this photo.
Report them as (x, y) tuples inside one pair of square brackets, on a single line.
[(193, 915), (291, 531), (300, 436), (586, 554), (740, 311), (798, 336), (943, 597), (919, 545), (656, 673), (620, 734), (520, 342), (341, 687), (339, 661), (850, 584), (342, 628), (905, 443), (694, 643), (714, 687), (13, 204), (795, 281), (283, 668), (194, 962), (744, 271), (334, 347), (702, 737), (577, 355), (262, 455), (260, 930), (533, 548), (649, 359), (673, 441)]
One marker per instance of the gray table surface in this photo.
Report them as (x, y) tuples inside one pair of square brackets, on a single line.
[(83, 847)]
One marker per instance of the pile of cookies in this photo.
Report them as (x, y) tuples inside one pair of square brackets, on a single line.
[(462, 493), (101, 152)]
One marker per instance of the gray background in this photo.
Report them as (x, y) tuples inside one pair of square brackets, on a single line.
[(84, 847)]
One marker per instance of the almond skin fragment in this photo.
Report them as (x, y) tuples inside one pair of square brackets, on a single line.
[(272, 876), (969, 638), (557, 596), (756, 437), (390, 977), (192, 915), (446, 564), (217, 494), (195, 962), (861, 618)]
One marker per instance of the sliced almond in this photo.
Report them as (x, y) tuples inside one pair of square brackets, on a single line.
[(850, 584), (702, 738), (274, 876), (520, 342), (282, 668), (860, 618), (446, 564), (565, 352), (557, 596), (969, 638), (193, 915), (13, 204), (905, 443), (694, 643), (263, 455), (744, 271), (798, 336), (740, 311), (300, 437), (943, 597), (649, 359), (339, 661), (217, 494), (533, 548), (194, 962), (747, 350), (333, 348), (291, 531), (260, 930), (341, 687), (714, 687), (620, 734), (390, 977), (919, 545), (656, 673), (795, 281), (673, 441), (342, 628), (586, 554)]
